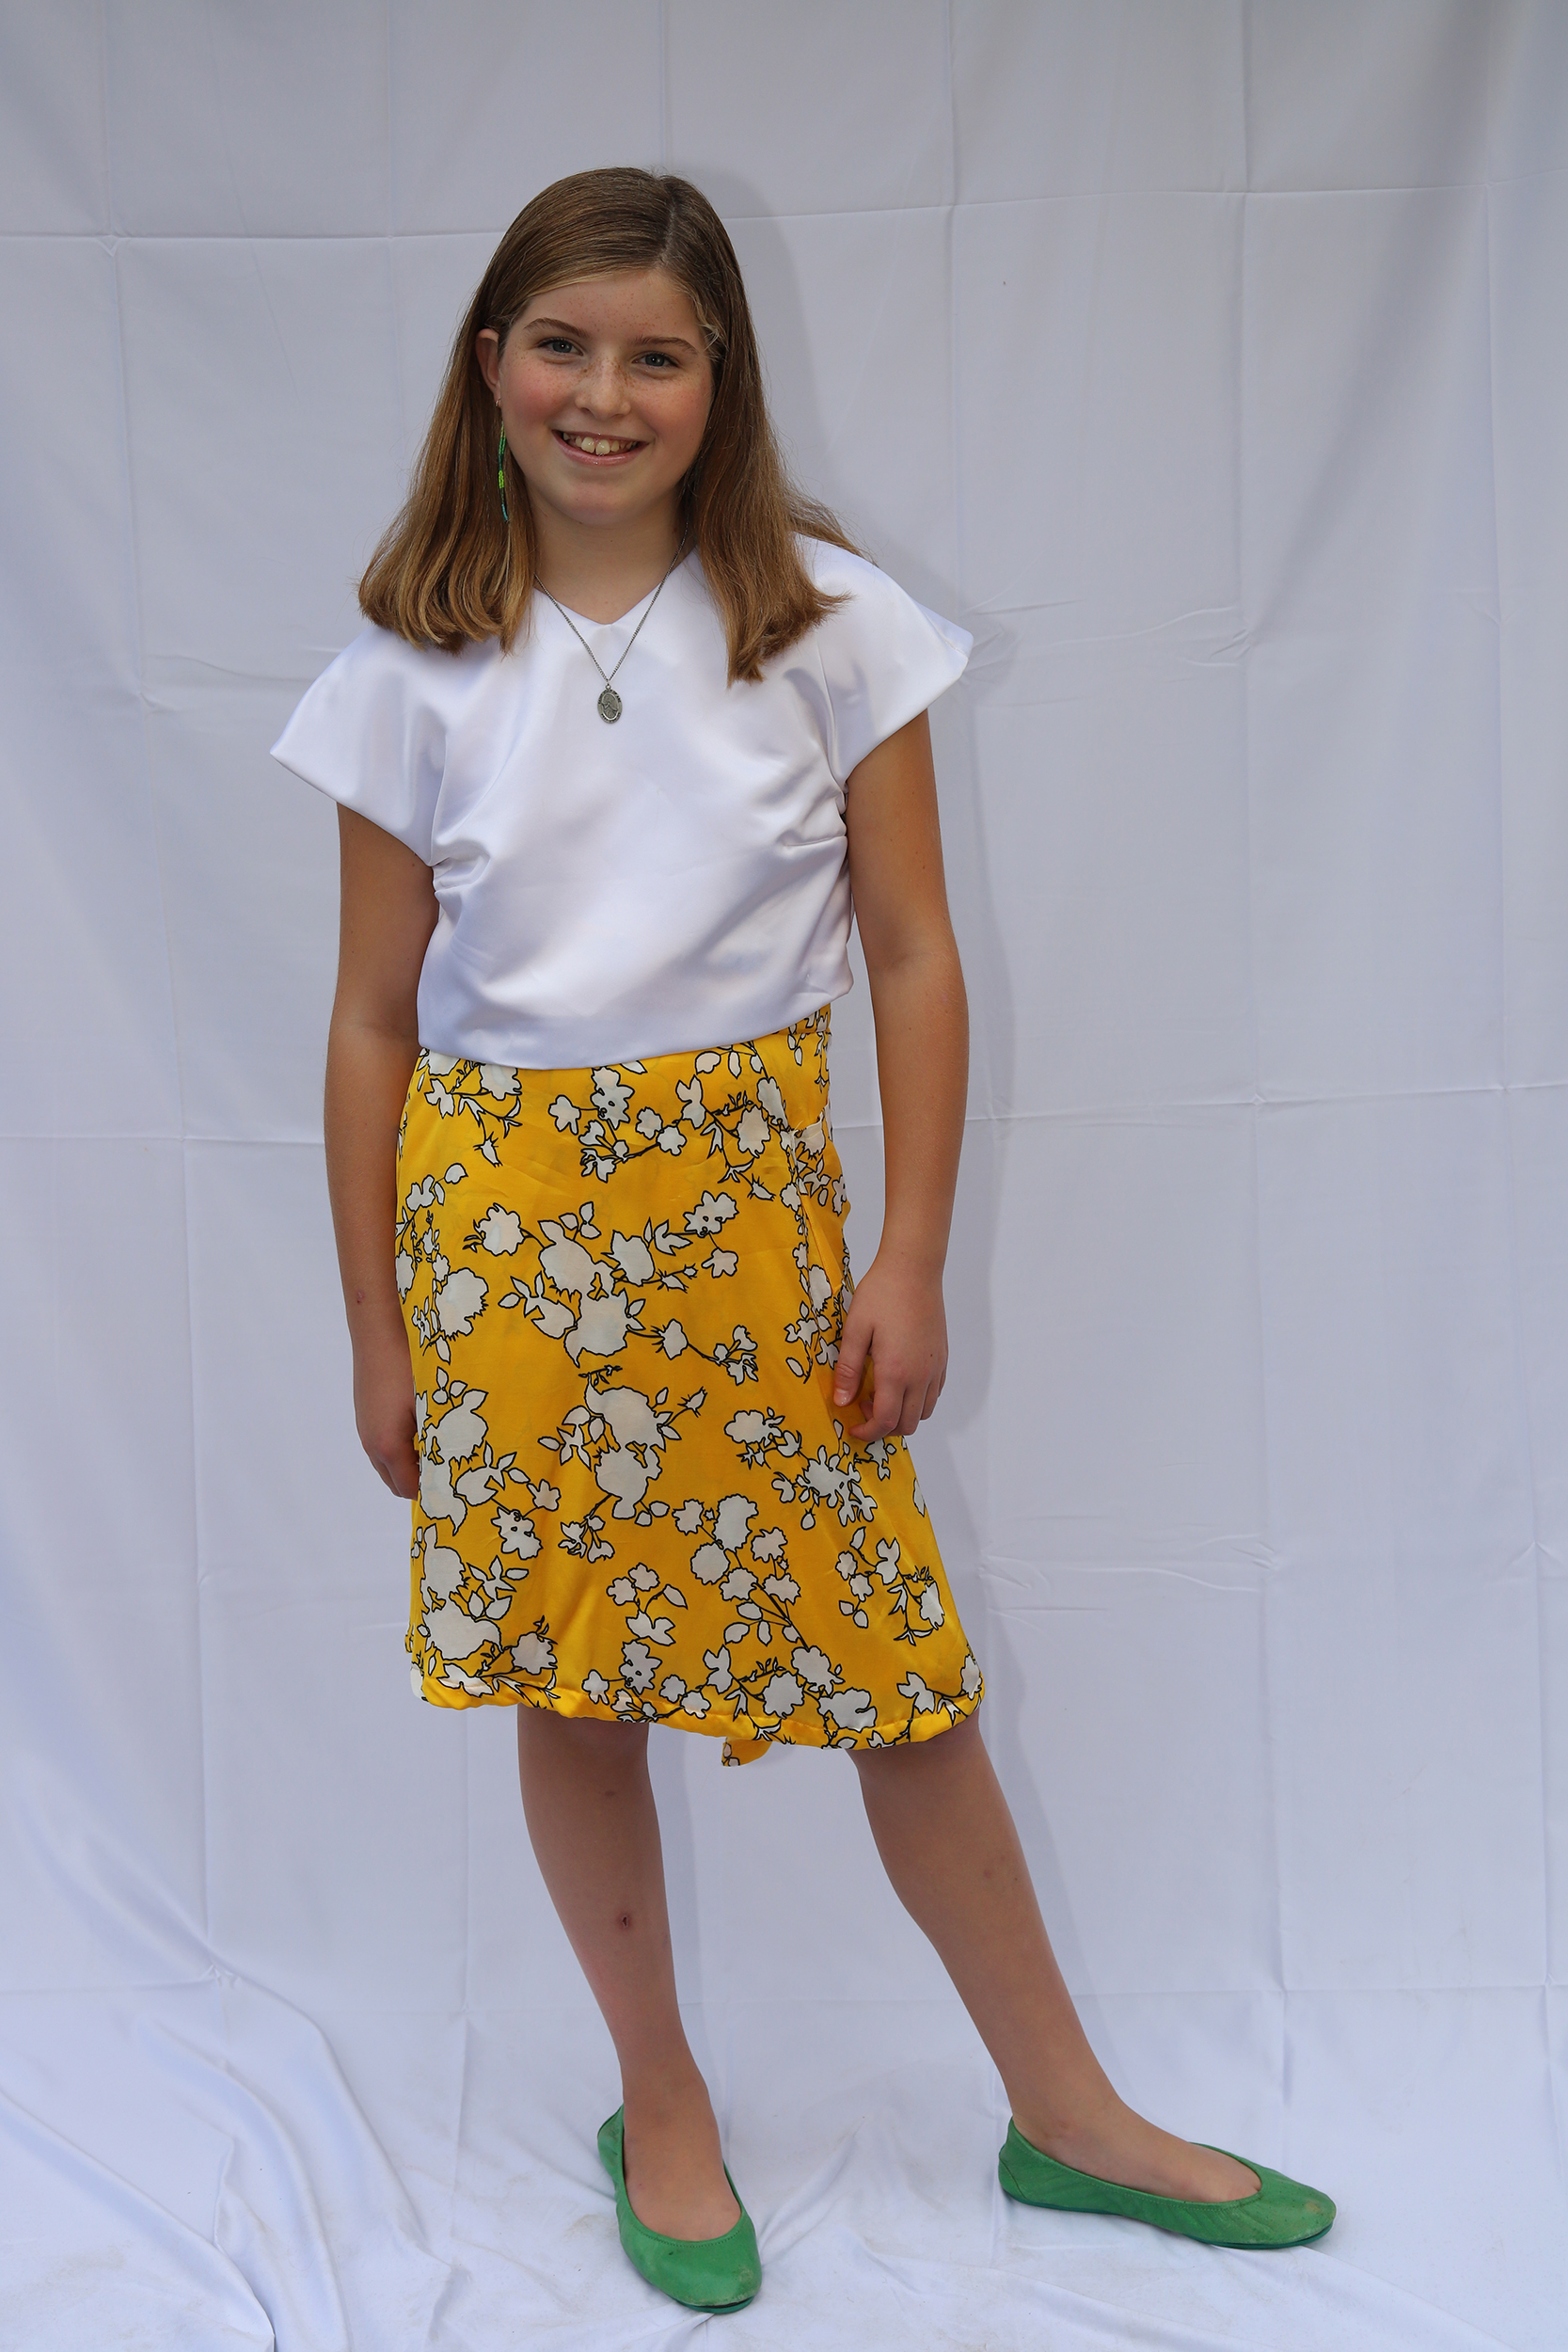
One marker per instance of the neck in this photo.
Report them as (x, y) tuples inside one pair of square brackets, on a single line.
[(603, 572)]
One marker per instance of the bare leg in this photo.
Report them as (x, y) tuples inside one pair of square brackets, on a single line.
[(946, 1837), (591, 1816)]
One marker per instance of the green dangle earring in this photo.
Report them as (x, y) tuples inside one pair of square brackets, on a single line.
[(501, 476)]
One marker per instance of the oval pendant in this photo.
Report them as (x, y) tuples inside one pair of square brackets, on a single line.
[(610, 705)]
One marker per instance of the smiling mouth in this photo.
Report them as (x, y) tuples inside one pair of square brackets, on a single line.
[(596, 444)]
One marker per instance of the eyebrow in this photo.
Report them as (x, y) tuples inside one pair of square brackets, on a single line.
[(563, 326)]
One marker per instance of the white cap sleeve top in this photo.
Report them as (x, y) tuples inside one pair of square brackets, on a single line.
[(674, 880)]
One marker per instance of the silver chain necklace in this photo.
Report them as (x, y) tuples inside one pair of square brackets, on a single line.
[(610, 705)]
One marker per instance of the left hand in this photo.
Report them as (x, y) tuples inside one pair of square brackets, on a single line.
[(897, 1318)]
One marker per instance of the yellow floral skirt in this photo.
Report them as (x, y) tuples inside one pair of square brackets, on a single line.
[(623, 1289)]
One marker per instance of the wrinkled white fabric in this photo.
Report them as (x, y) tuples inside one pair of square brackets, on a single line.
[(676, 879)]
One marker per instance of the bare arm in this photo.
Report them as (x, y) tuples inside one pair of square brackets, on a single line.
[(389, 912), (922, 1015)]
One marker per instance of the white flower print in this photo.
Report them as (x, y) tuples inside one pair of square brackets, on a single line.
[(622, 1474), (696, 1704), (721, 1262), (453, 1633), (731, 1520), (772, 1101), (517, 1532), (648, 1122), (596, 1685), (768, 1543), (719, 1675), (752, 1133), (782, 1588), (759, 1434), (813, 1668), (739, 1356), (931, 1604), (738, 1584), (499, 1230), (565, 1114), (713, 1211), (851, 1710), (782, 1695), (404, 1266), (689, 1518), (460, 1429), (659, 1629), (671, 1338), (612, 1095), (671, 1687), (441, 1569), (440, 1065), (533, 1654), (670, 1139), (497, 1080), (838, 1483), (709, 1563), (436, 1498), (638, 1666), (914, 1688), (969, 1680), (601, 1327), (584, 1538), (459, 1300), (633, 1256), (567, 1263), (629, 1414), (553, 1316)]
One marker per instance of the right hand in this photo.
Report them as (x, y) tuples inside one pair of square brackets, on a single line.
[(383, 1410)]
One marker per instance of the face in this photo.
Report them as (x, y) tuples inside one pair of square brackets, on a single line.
[(604, 388)]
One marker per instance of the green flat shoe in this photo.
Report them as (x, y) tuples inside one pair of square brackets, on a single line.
[(707, 2274), (1279, 2212)]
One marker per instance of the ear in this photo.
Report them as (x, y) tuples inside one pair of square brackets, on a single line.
[(487, 351)]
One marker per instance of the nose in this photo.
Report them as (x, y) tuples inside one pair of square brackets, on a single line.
[(602, 388)]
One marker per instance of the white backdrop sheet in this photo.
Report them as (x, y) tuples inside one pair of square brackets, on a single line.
[(1210, 362)]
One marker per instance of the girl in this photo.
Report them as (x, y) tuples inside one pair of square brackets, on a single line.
[(631, 731)]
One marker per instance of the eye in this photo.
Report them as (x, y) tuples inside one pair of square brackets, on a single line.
[(555, 343), (658, 360)]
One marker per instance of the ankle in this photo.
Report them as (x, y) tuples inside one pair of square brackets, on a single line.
[(665, 2091), (1057, 2125)]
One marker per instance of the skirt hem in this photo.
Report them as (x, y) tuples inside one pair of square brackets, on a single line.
[(921, 1725)]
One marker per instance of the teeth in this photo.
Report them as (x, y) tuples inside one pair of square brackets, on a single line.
[(597, 448)]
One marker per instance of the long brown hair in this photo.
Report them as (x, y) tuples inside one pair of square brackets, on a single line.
[(450, 570)]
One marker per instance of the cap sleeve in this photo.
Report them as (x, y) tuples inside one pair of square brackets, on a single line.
[(369, 734), (884, 657)]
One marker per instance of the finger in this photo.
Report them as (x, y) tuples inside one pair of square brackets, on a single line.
[(913, 1410), (852, 1347), (398, 1468), (887, 1404)]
